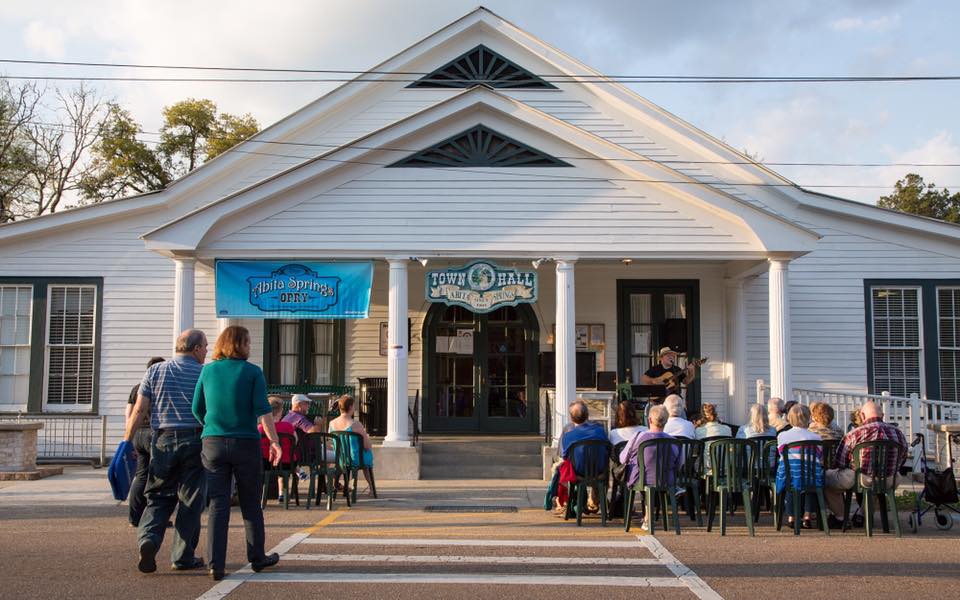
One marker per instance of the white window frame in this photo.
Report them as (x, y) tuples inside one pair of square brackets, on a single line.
[(69, 408), (940, 345), (873, 334), (28, 345)]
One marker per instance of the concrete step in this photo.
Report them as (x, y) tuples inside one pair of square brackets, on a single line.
[(480, 472), (456, 459), (481, 457)]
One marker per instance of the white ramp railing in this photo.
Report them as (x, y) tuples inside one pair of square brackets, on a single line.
[(911, 414)]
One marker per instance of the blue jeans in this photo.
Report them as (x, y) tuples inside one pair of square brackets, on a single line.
[(238, 459), (175, 481), (136, 499), (809, 502)]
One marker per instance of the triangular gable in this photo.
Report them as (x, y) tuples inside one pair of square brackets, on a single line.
[(480, 146), (479, 104), (482, 66)]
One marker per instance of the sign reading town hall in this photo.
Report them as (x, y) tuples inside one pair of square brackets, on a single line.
[(482, 286), (301, 290)]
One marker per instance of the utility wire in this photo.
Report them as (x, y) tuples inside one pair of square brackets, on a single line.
[(665, 161), (555, 76)]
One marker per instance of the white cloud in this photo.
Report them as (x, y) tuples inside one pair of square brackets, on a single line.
[(878, 25), (45, 39)]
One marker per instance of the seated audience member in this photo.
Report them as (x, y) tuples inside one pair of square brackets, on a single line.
[(346, 422), (856, 420), (799, 419), (625, 423), (710, 427), (287, 451), (629, 456), (786, 411), (775, 414), (821, 422), (580, 429), (677, 424), (841, 479), (758, 425), (300, 406)]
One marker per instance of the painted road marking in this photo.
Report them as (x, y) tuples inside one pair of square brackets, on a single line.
[(493, 560), (233, 581), (470, 542), (684, 573), (465, 578)]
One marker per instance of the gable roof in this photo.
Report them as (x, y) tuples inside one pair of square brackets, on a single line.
[(257, 202), (194, 188)]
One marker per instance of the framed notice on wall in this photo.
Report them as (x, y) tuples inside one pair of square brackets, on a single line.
[(384, 336)]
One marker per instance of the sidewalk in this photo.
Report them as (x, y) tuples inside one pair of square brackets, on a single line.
[(78, 486)]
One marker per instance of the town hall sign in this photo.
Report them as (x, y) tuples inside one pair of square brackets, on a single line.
[(481, 286)]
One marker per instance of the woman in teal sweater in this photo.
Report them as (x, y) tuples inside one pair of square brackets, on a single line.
[(230, 398)]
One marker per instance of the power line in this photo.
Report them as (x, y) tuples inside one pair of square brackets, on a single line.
[(446, 82), (666, 161), (558, 76)]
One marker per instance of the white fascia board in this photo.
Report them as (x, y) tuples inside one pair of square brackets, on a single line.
[(81, 215), (681, 256), (872, 214)]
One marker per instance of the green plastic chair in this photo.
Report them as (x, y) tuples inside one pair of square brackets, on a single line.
[(590, 474), (764, 474), (732, 473), (287, 471), (349, 447), (870, 459), (318, 454), (809, 455), (668, 463), (690, 475)]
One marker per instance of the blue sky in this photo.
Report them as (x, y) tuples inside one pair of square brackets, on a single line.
[(838, 122)]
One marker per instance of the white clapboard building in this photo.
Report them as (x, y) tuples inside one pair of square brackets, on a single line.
[(529, 232)]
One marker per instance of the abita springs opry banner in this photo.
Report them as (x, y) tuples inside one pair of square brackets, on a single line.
[(293, 290)]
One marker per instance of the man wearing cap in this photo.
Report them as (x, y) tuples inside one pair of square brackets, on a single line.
[(668, 364), (298, 415)]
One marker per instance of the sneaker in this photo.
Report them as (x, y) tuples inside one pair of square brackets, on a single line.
[(645, 525), (268, 561), (148, 557), (280, 498), (194, 563)]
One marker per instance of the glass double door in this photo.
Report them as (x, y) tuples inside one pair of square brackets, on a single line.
[(480, 370)]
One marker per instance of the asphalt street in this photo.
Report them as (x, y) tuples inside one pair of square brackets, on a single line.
[(392, 547)]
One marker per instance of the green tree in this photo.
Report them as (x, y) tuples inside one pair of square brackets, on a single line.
[(229, 131), (913, 195), (18, 106), (122, 164), (187, 125)]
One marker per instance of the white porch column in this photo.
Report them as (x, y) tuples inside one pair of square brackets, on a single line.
[(779, 308), (736, 332), (183, 296), (565, 346), (397, 355)]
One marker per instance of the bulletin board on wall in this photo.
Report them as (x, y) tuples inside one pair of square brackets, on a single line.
[(588, 337)]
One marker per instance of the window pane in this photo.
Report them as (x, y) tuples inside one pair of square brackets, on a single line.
[(675, 306), (640, 308), (948, 326), (71, 338)]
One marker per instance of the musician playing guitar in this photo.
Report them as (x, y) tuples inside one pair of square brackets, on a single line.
[(668, 374)]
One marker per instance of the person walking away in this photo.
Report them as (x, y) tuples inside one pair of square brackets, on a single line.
[(136, 500), (175, 479), (230, 397), (346, 422)]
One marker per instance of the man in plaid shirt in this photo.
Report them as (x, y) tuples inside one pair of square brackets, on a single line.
[(841, 479)]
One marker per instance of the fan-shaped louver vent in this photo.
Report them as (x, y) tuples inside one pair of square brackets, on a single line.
[(480, 147), (482, 66)]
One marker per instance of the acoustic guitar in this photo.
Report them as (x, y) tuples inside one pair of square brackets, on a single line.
[(672, 381)]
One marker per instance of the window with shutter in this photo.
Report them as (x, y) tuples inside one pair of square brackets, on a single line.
[(71, 347), (948, 328), (897, 340), (16, 304)]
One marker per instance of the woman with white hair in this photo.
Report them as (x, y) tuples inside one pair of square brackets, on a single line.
[(775, 414), (677, 425)]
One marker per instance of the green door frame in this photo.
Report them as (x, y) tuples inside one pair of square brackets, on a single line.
[(657, 288), (480, 421)]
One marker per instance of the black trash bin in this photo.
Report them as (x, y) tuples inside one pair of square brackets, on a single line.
[(373, 404)]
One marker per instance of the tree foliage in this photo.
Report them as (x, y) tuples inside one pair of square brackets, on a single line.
[(192, 133), (913, 195)]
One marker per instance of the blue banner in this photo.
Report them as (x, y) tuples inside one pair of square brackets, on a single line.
[(293, 290)]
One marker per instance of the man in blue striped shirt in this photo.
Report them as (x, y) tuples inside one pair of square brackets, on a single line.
[(176, 478)]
